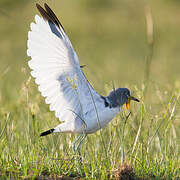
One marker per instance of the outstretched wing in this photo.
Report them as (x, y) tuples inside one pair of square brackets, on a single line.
[(55, 67)]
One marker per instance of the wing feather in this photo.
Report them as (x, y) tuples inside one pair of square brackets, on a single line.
[(55, 67)]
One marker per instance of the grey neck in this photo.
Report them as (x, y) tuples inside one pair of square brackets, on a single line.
[(112, 101), (118, 97)]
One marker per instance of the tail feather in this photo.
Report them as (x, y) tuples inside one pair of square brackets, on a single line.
[(63, 127), (47, 132)]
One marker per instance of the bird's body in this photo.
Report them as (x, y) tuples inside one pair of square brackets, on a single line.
[(94, 119), (55, 67), (97, 120)]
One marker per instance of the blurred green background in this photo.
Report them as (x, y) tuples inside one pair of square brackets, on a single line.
[(109, 37)]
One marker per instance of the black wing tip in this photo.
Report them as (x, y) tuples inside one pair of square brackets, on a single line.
[(37, 5), (48, 14), (45, 133), (43, 13), (46, 6)]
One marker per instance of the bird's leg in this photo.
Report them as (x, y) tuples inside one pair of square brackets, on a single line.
[(79, 145), (80, 138), (74, 143)]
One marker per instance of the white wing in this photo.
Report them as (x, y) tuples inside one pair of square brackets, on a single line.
[(55, 67)]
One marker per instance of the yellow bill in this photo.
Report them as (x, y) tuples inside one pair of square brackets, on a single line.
[(127, 105)]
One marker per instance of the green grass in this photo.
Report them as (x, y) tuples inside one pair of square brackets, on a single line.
[(110, 38)]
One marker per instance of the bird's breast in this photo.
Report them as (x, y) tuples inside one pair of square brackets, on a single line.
[(98, 118)]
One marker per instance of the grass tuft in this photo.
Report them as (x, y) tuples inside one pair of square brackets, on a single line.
[(125, 172)]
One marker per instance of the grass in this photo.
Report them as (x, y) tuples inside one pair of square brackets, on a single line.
[(111, 41), (148, 142)]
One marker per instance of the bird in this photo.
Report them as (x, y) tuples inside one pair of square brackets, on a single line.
[(55, 66)]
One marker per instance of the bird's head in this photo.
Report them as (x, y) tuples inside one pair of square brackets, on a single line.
[(120, 97)]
